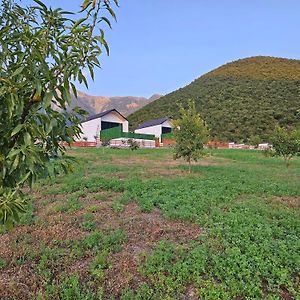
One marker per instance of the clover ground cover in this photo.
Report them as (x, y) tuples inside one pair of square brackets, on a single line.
[(135, 225)]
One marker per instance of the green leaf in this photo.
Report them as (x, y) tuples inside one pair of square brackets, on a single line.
[(14, 164), (13, 153), (17, 129), (27, 138), (73, 89), (91, 72), (47, 99), (24, 178), (41, 4), (17, 71), (66, 94), (76, 24), (106, 20), (85, 5), (112, 13)]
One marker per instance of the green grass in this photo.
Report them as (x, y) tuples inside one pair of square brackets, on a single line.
[(247, 239), (3, 263), (250, 241)]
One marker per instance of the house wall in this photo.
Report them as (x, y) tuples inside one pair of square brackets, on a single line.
[(93, 127), (125, 126), (156, 130), (116, 118), (90, 129), (167, 123)]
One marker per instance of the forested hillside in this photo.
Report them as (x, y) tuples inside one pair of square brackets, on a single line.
[(242, 98)]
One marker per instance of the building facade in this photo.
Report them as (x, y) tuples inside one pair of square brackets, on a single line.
[(93, 125), (157, 127)]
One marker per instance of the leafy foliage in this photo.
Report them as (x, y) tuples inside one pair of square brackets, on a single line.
[(190, 134), (286, 143), (243, 98), (43, 52), (105, 141), (133, 145), (254, 140)]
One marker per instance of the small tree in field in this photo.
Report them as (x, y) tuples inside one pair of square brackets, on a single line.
[(286, 143), (43, 51), (190, 134), (254, 140)]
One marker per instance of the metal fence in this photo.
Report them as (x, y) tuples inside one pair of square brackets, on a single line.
[(116, 132), (168, 136)]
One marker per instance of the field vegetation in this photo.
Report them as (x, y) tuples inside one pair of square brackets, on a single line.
[(136, 225)]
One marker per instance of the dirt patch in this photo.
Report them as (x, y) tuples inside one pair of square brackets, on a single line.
[(6, 252), (143, 231), (153, 226), (18, 283), (292, 202), (150, 168), (59, 231)]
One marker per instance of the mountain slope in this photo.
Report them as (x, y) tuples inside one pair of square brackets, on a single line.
[(125, 105), (238, 99)]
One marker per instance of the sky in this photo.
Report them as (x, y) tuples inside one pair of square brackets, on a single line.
[(158, 46)]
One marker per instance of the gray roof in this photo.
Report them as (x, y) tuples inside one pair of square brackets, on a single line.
[(102, 114), (153, 122)]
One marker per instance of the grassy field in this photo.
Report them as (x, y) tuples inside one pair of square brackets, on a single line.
[(135, 225)]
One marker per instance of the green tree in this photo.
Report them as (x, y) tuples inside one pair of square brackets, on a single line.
[(286, 143), (43, 51), (190, 134), (254, 140)]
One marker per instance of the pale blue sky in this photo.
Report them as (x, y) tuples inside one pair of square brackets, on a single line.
[(158, 46)]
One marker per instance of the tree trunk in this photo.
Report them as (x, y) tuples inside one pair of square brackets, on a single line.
[(287, 161), (189, 166)]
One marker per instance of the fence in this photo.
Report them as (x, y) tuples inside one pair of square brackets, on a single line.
[(119, 143), (116, 132), (80, 144), (167, 136)]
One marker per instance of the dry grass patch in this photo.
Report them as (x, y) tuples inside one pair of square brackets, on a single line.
[(291, 202), (143, 231)]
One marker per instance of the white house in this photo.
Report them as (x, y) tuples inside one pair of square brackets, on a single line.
[(156, 127), (93, 125)]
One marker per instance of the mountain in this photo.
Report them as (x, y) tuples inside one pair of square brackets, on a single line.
[(125, 105), (239, 99)]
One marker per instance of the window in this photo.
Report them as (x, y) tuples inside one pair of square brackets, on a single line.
[(107, 125), (166, 130)]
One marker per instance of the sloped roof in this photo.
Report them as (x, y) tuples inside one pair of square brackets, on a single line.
[(153, 122), (103, 114)]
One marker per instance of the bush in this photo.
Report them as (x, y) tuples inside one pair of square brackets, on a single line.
[(133, 145), (286, 143)]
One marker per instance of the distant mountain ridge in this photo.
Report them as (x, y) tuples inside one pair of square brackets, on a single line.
[(125, 105), (239, 99)]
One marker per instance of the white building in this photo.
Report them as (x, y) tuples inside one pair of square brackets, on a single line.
[(156, 127), (93, 125), (264, 146)]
